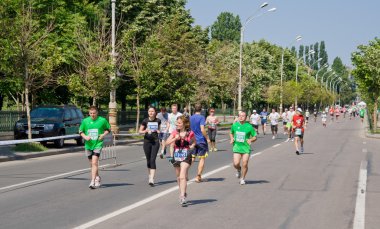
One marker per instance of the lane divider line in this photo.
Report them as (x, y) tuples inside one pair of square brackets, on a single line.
[(142, 202), (359, 219), (277, 145), (50, 178)]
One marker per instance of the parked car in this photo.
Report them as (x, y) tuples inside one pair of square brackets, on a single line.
[(51, 121)]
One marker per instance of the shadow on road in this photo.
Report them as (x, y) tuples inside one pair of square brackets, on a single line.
[(165, 182), (205, 201), (256, 181), (115, 185), (214, 179)]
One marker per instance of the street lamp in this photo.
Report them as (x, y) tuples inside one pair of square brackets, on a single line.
[(332, 80), (327, 78), (312, 64), (112, 112), (327, 72), (324, 66), (298, 38), (241, 45)]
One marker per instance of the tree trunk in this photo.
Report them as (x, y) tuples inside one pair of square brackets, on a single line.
[(138, 109), (93, 101), (27, 105), (375, 116)]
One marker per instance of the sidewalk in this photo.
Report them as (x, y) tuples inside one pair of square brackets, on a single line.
[(367, 133)]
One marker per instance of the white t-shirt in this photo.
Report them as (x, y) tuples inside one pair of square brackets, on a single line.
[(284, 117), (290, 115), (273, 117), (173, 121), (307, 114), (255, 119)]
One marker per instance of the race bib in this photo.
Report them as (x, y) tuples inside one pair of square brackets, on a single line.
[(298, 131), (240, 136), (264, 117), (153, 126), (93, 133), (180, 154), (212, 125), (163, 126)]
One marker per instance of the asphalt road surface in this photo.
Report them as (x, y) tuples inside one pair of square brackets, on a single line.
[(317, 189)]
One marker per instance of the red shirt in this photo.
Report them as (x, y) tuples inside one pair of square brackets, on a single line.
[(298, 121)]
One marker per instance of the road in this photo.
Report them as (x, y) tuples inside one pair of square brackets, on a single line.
[(317, 189)]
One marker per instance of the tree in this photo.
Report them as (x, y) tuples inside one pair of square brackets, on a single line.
[(301, 51), (367, 74), (323, 54), (226, 28), (316, 56)]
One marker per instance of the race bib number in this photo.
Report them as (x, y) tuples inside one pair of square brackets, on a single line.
[(93, 133), (163, 126), (180, 154), (240, 136), (153, 126), (264, 117), (212, 125), (298, 131)]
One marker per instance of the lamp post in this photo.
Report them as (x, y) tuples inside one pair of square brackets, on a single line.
[(298, 38), (327, 79), (241, 46), (112, 112), (327, 72), (324, 66), (312, 64), (332, 79), (308, 54)]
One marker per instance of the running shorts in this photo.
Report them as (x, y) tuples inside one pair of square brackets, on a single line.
[(90, 153), (274, 128), (212, 134), (201, 150)]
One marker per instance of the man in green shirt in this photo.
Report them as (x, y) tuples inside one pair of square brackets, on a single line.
[(361, 114), (93, 129), (242, 135)]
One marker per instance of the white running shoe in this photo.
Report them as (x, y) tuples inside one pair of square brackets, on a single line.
[(92, 185), (238, 174), (151, 181), (242, 182), (292, 139), (301, 149), (183, 201), (97, 182)]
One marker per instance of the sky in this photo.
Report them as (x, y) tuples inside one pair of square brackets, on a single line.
[(342, 24)]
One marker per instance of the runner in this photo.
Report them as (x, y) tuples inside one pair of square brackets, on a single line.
[(92, 130), (197, 125), (344, 110), (241, 136), (298, 129), (289, 124), (150, 127), (307, 115), (337, 113), (183, 141), (331, 111), (212, 122), (273, 117), (284, 117), (315, 115), (350, 112), (263, 116), (172, 122), (254, 120), (164, 130), (324, 119), (361, 114)]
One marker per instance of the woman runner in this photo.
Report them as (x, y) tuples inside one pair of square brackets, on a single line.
[(183, 141), (212, 122)]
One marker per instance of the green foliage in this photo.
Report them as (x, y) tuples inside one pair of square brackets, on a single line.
[(30, 147), (226, 28)]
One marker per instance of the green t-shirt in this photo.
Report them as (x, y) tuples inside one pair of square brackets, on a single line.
[(361, 112), (241, 133), (94, 128)]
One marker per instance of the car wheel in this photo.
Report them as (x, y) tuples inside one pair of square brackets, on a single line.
[(59, 142), (80, 141)]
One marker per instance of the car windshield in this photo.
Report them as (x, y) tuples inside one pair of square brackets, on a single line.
[(48, 113)]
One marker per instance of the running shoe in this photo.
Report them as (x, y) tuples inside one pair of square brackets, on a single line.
[(215, 149), (273, 137), (92, 185), (97, 182), (238, 174), (151, 182), (297, 152), (292, 139), (198, 179), (161, 155), (242, 182), (183, 201), (301, 149)]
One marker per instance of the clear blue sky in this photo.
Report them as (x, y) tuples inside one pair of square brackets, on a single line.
[(342, 24)]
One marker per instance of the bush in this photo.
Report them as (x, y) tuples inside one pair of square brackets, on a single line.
[(30, 147)]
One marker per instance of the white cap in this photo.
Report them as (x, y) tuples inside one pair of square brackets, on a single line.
[(254, 111), (299, 109)]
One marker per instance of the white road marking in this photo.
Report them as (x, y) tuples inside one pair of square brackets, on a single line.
[(359, 219), (364, 143), (256, 154), (142, 202), (364, 150), (49, 178), (277, 145)]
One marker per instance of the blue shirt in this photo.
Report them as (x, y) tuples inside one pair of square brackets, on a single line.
[(264, 115), (196, 121)]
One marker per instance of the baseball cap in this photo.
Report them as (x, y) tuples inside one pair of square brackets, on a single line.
[(254, 111), (299, 109)]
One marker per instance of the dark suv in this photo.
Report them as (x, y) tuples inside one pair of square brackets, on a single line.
[(51, 121)]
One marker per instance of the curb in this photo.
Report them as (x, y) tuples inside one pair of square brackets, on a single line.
[(51, 152)]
